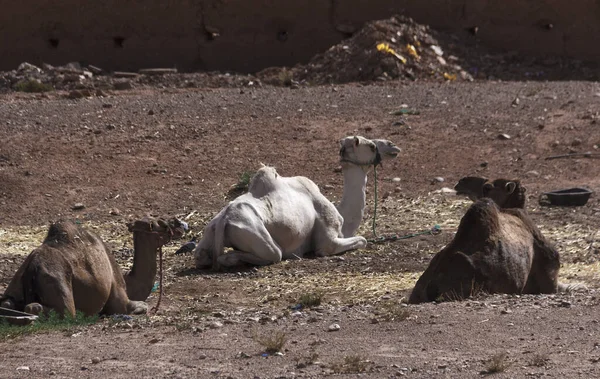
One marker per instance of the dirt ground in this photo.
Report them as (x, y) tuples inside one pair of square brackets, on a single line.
[(165, 151)]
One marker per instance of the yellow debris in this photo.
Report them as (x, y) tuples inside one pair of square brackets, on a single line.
[(387, 49), (449, 76)]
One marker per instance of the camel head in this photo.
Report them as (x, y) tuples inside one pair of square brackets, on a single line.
[(359, 151), (506, 193), (472, 186), (165, 230), (387, 149)]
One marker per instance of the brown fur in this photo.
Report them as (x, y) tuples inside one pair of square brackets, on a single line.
[(506, 193), (495, 250), (73, 270)]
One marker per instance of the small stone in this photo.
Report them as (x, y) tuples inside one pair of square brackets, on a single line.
[(483, 164), (76, 94), (334, 327), (532, 173), (505, 311), (516, 102), (107, 105), (396, 180), (503, 136), (565, 304), (442, 366), (78, 206), (28, 67), (151, 112), (122, 85), (215, 325), (328, 187), (23, 368), (96, 360), (296, 314), (576, 142), (437, 179), (153, 341), (448, 191)]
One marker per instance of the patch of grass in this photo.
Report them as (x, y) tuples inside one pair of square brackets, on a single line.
[(351, 364), (308, 360), (44, 324), (272, 342), (241, 186), (498, 363), (393, 311), (311, 299), (31, 85), (476, 290), (539, 360), (285, 77)]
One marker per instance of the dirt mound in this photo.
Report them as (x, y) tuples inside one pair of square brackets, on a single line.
[(394, 48)]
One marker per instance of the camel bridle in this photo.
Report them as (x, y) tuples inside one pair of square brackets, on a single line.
[(161, 242)]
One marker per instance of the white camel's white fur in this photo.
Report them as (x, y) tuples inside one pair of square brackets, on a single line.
[(281, 218), (352, 205)]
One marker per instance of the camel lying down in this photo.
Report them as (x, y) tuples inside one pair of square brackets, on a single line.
[(73, 270), (494, 250), (284, 217)]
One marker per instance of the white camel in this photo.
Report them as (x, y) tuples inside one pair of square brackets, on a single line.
[(285, 217), (353, 202)]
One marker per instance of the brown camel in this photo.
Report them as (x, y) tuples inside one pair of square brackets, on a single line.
[(506, 193), (495, 250), (73, 270)]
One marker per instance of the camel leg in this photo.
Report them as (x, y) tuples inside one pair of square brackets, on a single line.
[(118, 302), (254, 246), (55, 294), (340, 245)]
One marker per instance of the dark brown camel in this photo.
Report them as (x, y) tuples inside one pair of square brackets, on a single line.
[(497, 249), (73, 270)]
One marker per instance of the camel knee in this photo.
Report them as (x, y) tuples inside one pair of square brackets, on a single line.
[(34, 308), (203, 259), (137, 308), (8, 303)]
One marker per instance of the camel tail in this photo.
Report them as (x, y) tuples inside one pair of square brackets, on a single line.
[(219, 241), (571, 287)]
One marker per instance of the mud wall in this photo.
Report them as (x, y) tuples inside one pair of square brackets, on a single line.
[(247, 35)]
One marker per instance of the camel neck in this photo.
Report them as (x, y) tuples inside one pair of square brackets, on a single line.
[(353, 201), (140, 279)]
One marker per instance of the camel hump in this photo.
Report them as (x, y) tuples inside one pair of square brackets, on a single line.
[(66, 232)]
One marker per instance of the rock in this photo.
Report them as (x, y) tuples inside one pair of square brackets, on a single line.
[(28, 67), (515, 102), (23, 368), (157, 71), (503, 136), (437, 179), (576, 142), (215, 325), (78, 206), (328, 187), (78, 94), (296, 314), (96, 360), (396, 180), (448, 191), (122, 85), (124, 74), (95, 70), (505, 311), (334, 327)]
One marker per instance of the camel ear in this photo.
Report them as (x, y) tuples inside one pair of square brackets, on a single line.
[(510, 187), (487, 187), (356, 141)]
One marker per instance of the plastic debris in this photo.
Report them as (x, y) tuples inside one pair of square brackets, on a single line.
[(387, 49), (412, 51)]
